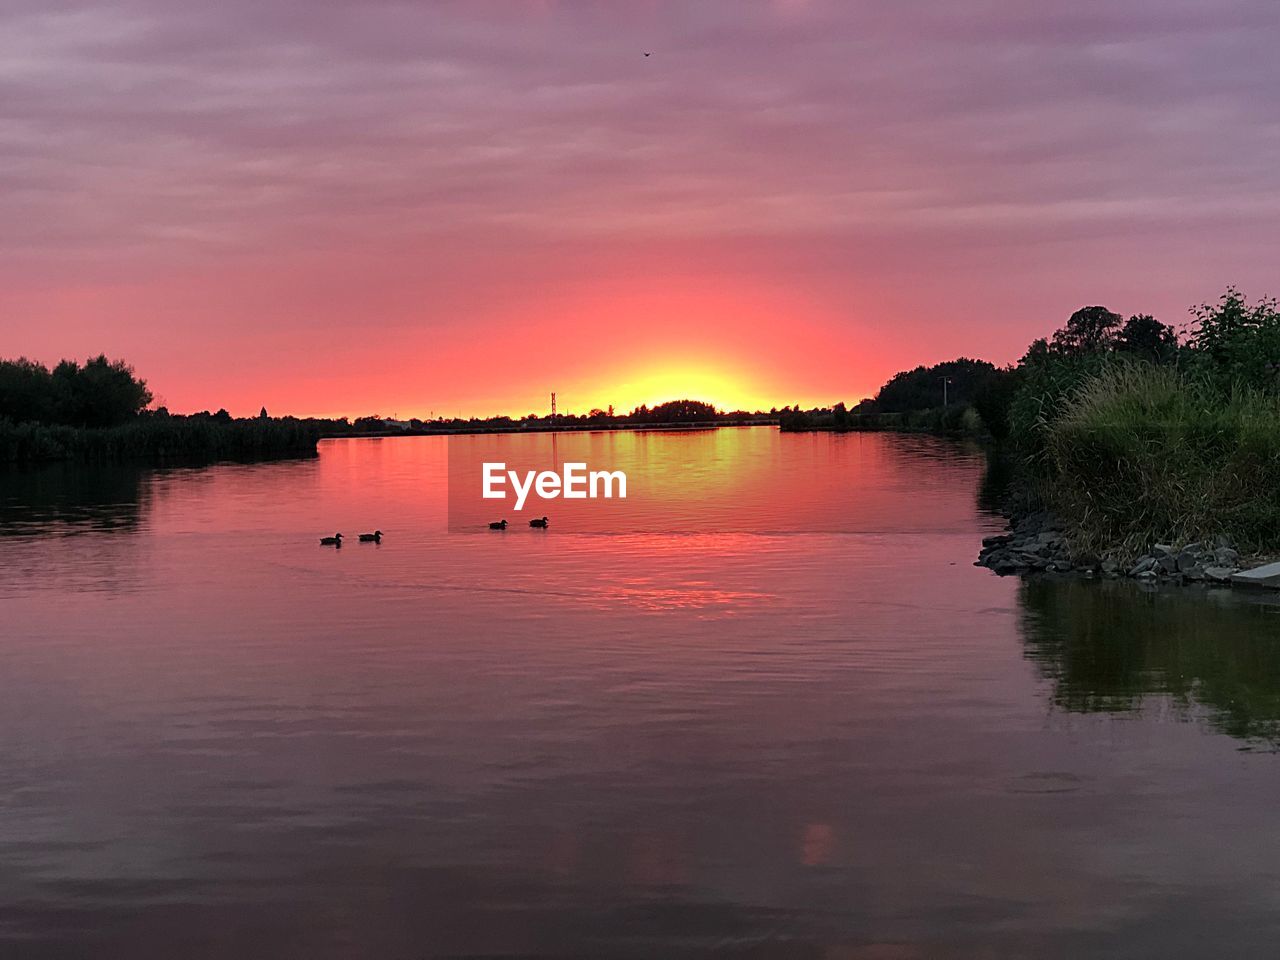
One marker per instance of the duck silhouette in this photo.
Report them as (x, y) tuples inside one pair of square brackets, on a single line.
[(375, 537), (539, 523), (498, 525), (334, 541)]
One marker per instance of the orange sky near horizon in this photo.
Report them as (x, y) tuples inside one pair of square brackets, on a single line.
[(457, 208)]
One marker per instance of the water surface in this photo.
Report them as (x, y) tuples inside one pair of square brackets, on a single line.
[(218, 739)]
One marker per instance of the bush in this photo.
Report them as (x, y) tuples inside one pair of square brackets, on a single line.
[(1235, 343)]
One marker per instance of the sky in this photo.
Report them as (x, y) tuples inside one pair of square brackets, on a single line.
[(444, 208)]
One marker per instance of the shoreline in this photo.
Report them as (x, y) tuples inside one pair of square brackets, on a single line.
[(557, 428), (1036, 544)]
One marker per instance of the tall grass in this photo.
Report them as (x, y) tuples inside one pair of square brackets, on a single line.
[(1142, 454), (159, 439)]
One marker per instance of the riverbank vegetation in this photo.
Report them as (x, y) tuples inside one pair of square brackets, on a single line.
[(1132, 434), (1137, 436), (97, 412)]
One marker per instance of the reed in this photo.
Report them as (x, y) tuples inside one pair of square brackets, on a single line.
[(160, 439), (1142, 454)]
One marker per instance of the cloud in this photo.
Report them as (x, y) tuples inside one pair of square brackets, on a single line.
[(1003, 151), (158, 124)]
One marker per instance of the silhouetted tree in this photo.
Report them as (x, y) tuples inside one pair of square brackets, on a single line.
[(993, 398), (26, 391), (102, 393), (1145, 336), (1088, 330), (674, 411), (922, 388), (1037, 352)]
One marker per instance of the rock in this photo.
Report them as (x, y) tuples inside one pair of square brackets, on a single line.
[(1188, 559), (1219, 574), (1268, 575), (1167, 563), (1194, 573), (996, 541), (1161, 550), (1147, 575), (1144, 565), (1109, 566), (1226, 557)]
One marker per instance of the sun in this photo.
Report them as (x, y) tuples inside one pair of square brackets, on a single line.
[(649, 385)]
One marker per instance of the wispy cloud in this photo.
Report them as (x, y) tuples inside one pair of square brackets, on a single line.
[(172, 131)]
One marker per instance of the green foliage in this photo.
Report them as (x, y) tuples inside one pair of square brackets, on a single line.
[(1233, 342), (1046, 385), (1144, 454)]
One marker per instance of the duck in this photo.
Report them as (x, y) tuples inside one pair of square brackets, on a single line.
[(498, 525), (334, 541), (539, 523), (375, 537)]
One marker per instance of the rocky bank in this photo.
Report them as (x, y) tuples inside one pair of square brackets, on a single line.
[(1037, 543)]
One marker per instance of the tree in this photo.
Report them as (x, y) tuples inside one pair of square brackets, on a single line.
[(102, 393), (675, 411), (26, 391), (1088, 330), (1145, 336), (994, 398), (922, 388), (1037, 352)]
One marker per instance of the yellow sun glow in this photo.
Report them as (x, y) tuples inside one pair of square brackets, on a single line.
[(650, 385)]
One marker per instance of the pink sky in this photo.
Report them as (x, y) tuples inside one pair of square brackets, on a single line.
[(406, 208)]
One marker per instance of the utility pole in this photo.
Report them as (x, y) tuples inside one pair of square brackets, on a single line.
[(945, 381), (553, 408)]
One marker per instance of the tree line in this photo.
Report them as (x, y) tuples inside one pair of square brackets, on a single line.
[(99, 393)]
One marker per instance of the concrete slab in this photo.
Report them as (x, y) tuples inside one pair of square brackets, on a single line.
[(1267, 575)]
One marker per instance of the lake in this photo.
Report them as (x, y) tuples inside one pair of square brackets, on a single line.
[(219, 739)]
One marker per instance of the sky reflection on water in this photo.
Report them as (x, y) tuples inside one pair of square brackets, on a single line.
[(219, 739)]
